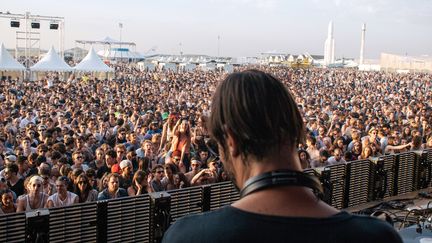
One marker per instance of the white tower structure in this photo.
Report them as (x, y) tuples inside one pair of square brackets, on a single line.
[(362, 44), (329, 46)]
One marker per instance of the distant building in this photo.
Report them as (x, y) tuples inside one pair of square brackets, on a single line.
[(398, 63)]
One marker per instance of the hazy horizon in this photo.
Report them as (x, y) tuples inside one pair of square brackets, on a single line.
[(245, 27)]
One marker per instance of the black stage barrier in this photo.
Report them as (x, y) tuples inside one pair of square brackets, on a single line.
[(145, 218)]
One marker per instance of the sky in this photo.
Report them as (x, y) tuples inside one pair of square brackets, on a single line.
[(244, 27)]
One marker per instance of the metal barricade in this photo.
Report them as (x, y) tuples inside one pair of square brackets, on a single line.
[(358, 182), (185, 201), (13, 228), (404, 176), (75, 223), (223, 194), (145, 218), (337, 178), (128, 219)]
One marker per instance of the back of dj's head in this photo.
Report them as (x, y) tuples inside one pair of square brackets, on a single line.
[(258, 111)]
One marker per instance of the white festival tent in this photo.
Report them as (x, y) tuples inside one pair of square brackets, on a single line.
[(7, 62), (92, 63), (51, 62)]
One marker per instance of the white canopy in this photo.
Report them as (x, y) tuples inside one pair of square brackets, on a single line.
[(51, 62), (7, 62), (92, 63)]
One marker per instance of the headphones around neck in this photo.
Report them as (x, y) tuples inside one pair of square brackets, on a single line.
[(281, 178)]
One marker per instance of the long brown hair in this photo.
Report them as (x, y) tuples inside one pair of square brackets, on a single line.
[(139, 176), (82, 194), (258, 110)]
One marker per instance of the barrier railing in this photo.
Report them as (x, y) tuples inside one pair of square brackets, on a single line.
[(145, 218)]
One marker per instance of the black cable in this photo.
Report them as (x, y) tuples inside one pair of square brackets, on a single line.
[(406, 216)]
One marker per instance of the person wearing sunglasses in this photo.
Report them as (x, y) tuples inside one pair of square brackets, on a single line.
[(78, 160), (48, 186), (158, 174), (35, 198), (126, 174), (84, 189)]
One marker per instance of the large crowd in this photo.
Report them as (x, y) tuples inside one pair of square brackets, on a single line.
[(85, 139)]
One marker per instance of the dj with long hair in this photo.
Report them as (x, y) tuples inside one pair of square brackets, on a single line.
[(258, 127)]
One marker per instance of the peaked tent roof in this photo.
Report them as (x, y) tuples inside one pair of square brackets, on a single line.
[(92, 63), (7, 62), (51, 62)]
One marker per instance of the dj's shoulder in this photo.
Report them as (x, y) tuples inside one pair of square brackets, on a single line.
[(372, 228)]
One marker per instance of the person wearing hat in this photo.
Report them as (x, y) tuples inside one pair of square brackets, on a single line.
[(10, 158), (126, 171), (154, 128)]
